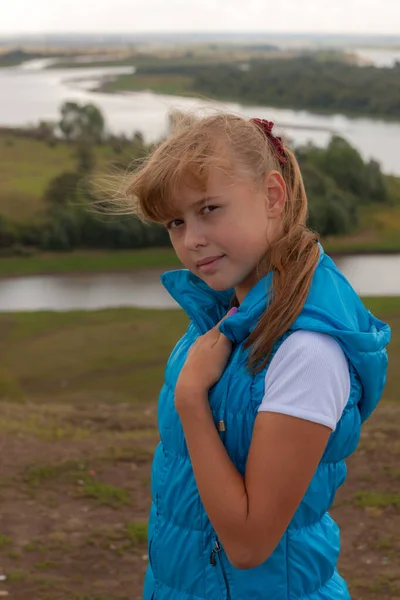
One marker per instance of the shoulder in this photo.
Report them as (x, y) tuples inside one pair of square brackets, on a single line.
[(309, 378), (309, 349)]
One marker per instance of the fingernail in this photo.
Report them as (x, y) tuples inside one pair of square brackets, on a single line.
[(233, 311)]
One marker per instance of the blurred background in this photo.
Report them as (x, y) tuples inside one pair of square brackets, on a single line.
[(85, 89)]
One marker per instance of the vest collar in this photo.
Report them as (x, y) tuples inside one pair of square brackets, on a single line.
[(206, 307)]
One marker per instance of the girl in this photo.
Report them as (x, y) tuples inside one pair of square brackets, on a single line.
[(261, 404)]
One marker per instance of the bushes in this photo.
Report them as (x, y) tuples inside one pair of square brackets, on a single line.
[(338, 182)]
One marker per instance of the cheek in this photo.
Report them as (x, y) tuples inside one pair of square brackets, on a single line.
[(181, 251), (176, 245)]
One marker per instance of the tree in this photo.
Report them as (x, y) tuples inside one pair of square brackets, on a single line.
[(45, 131), (7, 235), (377, 188), (344, 164), (81, 121), (85, 158), (329, 215), (62, 189)]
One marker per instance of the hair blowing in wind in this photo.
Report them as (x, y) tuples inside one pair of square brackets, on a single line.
[(240, 147)]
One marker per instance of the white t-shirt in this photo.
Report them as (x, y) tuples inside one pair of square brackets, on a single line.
[(308, 378)]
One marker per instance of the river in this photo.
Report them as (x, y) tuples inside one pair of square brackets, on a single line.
[(379, 57), (370, 275), (30, 93)]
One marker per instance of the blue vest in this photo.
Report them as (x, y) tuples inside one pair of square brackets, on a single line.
[(186, 562)]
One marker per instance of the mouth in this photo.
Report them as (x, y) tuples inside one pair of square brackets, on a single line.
[(209, 264)]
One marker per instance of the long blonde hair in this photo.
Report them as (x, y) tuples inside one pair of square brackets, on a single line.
[(191, 150)]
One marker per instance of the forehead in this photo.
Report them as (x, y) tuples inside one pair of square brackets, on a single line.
[(192, 189), (184, 179)]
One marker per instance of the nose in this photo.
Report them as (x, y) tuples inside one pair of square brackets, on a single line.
[(194, 237)]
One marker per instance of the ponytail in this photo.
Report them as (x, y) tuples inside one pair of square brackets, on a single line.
[(292, 259)]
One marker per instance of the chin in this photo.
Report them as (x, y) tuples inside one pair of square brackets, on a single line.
[(218, 285), (219, 288)]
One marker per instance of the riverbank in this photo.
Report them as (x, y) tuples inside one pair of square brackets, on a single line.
[(181, 85), (298, 82), (132, 260), (90, 261), (78, 394)]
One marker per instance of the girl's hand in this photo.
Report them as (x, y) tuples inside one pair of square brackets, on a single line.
[(204, 365)]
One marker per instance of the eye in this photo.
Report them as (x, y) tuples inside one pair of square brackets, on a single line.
[(210, 207), (174, 224)]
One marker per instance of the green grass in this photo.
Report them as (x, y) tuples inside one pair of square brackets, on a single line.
[(137, 532), (106, 495), (378, 229), (4, 541), (377, 499), (27, 166), (103, 356), (388, 306), (89, 261), (40, 474)]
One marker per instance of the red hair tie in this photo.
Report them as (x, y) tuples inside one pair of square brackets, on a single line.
[(266, 127)]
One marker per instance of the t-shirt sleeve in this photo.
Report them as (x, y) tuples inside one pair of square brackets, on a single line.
[(308, 378)]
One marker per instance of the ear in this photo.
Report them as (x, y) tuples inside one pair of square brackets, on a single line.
[(275, 194)]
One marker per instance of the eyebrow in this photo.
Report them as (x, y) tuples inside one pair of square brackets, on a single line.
[(202, 200), (199, 202)]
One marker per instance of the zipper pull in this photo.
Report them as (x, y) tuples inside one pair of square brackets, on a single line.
[(216, 549)]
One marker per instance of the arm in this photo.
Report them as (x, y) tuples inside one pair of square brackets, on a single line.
[(251, 514)]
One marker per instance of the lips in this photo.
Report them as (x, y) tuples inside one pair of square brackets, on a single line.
[(207, 261), (208, 265)]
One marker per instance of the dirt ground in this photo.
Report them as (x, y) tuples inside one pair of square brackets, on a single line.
[(77, 435), (75, 496)]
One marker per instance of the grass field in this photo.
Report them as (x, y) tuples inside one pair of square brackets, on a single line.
[(89, 261), (26, 168), (78, 398)]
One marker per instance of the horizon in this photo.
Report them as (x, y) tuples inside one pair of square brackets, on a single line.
[(202, 33), (263, 37), (352, 17)]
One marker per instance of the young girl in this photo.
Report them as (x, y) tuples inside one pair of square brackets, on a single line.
[(261, 404)]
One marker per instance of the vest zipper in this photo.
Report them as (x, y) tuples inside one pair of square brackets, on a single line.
[(213, 562)]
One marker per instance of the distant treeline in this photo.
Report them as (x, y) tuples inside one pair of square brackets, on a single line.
[(17, 56), (305, 82)]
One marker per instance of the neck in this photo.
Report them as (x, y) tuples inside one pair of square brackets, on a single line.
[(243, 288)]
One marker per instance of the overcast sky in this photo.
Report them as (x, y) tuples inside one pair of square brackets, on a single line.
[(132, 16)]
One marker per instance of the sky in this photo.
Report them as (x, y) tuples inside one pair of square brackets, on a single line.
[(144, 16)]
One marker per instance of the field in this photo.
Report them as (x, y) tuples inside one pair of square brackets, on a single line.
[(78, 429), (26, 168), (89, 261)]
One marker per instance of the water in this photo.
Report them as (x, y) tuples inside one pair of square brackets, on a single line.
[(379, 57), (30, 93), (370, 275)]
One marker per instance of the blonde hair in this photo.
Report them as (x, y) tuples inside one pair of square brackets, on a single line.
[(235, 144)]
